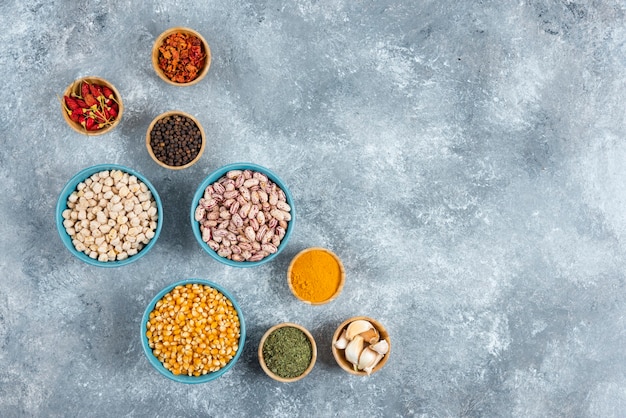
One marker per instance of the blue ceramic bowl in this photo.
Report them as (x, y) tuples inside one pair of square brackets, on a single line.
[(215, 176), (184, 378), (62, 205)]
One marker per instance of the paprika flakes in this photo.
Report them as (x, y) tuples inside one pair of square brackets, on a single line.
[(181, 56), (316, 276)]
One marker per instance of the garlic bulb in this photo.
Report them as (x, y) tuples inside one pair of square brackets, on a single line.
[(370, 336), (357, 327), (342, 341), (370, 368), (367, 358), (353, 350), (380, 347)]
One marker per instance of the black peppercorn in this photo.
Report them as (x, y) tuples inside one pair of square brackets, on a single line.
[(175, 140)]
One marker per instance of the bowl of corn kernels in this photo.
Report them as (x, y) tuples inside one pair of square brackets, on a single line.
[(109, 215), (193, 331)]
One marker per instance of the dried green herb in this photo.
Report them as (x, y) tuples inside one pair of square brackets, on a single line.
[(287, 352)]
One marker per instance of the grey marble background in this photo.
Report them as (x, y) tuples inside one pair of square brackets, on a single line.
[(464, 158)]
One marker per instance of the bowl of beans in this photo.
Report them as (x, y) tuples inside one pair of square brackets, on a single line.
[(181, 56), (242, 215), (193, 331), (92, 106), (175, 140), (109, 215)]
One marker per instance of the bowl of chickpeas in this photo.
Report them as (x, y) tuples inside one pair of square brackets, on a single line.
[(109, 215), (193, 331)]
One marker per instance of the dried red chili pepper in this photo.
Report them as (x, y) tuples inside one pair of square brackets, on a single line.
[(96, 90), (84, 89), (75, 115), (89, 123), (90, 100), (71, 103), (108, 93)]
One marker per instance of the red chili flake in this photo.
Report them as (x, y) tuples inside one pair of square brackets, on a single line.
[(182, 57)]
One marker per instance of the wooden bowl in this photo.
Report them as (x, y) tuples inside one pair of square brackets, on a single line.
[(75, 88), (262, 360), (155, 55), (149, 147), (340, 357), (342, 273)]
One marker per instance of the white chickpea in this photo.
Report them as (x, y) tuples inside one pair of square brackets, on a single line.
[(110, 216)]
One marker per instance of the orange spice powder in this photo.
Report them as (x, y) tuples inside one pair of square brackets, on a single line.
[(315, 276)]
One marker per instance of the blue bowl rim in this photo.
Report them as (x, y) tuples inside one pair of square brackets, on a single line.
[(184, 378), (216, 175), (70, 186)]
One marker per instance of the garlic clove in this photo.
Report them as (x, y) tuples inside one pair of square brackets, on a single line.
[(370, 368), (342, 341), (381, 347), (357, 327), (353, 350), (367, 358), (370, 336)]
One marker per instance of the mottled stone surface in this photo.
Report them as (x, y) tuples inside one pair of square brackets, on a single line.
[(465, 159)]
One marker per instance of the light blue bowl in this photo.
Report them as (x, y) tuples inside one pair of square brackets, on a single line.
[(184, 378), (215, 176), (62, 205)]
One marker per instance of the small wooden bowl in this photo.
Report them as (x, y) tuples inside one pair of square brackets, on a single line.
[(173, 113), (340, 357), (342, 278), (74, 88), (313, 348), (155, 55)]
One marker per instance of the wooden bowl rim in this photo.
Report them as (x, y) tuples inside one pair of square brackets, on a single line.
[(159, 41), (339, 354), (313, 349), (171, 113), (77, 126), (342, 278)]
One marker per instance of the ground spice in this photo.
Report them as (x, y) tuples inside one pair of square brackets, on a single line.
[(182, 57), (315, 276), (287, 352)]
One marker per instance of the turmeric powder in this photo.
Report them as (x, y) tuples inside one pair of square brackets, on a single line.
[(316, 275)]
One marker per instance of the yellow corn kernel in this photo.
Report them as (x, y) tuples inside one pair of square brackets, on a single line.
[(203, 321)]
